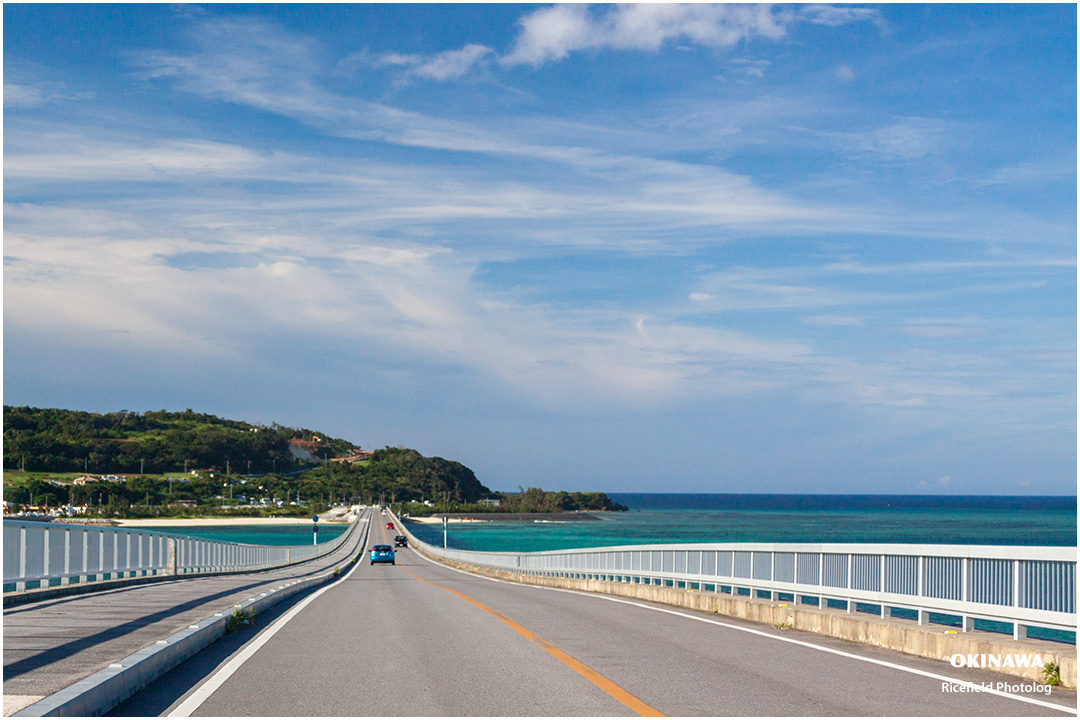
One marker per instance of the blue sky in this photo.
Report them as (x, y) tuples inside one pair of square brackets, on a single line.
[(650, 248)]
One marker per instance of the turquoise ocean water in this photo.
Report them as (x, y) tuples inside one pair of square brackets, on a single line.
[(259, 534), (687, 518)]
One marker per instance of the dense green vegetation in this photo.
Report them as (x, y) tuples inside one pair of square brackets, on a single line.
[(151, 442), (197, 464)]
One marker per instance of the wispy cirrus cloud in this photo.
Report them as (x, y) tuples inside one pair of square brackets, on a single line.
[(32, 94), (447, 65)]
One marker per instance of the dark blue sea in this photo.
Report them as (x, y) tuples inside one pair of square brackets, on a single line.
[(692, 518)]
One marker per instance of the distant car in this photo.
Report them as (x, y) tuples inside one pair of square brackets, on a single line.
[(401, 541), (389, 526), (382, 554)]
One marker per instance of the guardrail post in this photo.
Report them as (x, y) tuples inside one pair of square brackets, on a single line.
[(45, 559), (85, 555), (1016, 583), (66, 580), (964, 580), (171, 562), (21, 585)]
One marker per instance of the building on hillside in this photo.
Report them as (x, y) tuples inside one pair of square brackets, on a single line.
[(355, 457), (85, 480)]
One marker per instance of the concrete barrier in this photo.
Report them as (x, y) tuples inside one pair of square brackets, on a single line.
[(905, 636)]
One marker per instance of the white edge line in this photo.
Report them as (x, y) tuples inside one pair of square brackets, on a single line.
[(793, 641), (208, 688)]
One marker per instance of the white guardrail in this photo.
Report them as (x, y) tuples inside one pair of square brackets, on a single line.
[(50, 554), (1017, 585)]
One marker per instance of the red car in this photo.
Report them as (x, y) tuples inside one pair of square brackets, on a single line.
[(389, 526)]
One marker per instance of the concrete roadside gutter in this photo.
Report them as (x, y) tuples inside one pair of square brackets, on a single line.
[(105, 689)]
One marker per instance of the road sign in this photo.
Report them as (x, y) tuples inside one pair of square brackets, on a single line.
[(314, 518)]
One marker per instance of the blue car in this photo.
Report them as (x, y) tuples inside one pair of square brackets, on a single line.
[(382, 554)]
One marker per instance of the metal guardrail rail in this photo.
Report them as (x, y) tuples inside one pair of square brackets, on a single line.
[(1022, 586), (52, 554)]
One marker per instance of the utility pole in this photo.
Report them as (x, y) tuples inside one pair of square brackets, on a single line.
[(142, 464)]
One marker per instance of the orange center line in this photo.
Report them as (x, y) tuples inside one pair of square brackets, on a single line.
[(585, 671)]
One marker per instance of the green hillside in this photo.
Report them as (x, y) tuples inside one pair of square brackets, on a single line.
[(171, 463)]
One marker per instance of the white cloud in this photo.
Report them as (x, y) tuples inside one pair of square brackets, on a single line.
[(750, 68), (452, 64), (907, 138), (397, 59), (23, 95), (16, 95), (448, 65), (552, 33), (845, 73), (941, 483), (835, 16), (63, 155), (835, 320), (1028, 173)]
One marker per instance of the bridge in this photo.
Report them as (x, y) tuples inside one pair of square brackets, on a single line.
[(450, 632)]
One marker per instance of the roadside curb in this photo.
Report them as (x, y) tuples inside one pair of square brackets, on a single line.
[(105, 689)]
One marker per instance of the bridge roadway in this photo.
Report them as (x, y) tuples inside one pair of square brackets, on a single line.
[(421, 639), (52, 643)]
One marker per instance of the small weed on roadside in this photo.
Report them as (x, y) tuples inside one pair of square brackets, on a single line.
[(239, 618), (1051, 673)]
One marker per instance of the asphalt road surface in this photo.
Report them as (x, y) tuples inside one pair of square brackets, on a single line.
[(419, 639)]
